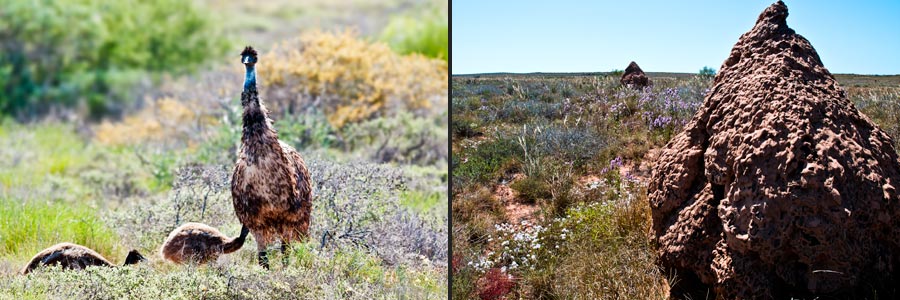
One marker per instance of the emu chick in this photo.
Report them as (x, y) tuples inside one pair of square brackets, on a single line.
[(74, 257), (199, 243)]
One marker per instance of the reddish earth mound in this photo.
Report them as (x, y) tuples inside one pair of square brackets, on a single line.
[(778, 187), (634, 77)]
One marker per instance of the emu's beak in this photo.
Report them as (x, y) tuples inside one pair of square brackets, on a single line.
[(246, 59)]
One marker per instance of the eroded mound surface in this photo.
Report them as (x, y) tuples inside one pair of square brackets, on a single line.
[(778, 186), (634, 77)]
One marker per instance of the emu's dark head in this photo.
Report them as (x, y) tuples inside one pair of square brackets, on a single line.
[(248, 56), (134, 257)]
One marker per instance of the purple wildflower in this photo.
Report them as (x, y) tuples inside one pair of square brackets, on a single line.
[(660, 122)]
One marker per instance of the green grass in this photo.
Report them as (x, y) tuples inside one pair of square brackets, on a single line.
[(27, 228), (55, 184)]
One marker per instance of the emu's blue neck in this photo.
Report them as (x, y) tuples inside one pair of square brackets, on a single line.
[(250, 78)]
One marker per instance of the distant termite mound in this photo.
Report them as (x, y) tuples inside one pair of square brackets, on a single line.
[(634, 77), (778, 187)]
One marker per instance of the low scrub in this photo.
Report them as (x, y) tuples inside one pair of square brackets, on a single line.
[(312, 274), (548, 260)]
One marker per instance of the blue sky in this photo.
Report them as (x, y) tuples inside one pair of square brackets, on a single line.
[(860, 37)]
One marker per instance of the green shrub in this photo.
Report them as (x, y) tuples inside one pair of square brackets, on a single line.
[(613, 237), (310, 130), (531, 189), (88, 52), (568, 92), (483, 163), (479, 210), (403, 137), (425, 203), (426, 34), (707, 72), (465, 127)]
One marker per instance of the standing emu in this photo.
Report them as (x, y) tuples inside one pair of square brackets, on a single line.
[(75, 257), (199, 243), (270, 186)]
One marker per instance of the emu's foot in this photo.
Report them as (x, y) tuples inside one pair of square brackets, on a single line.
[(263, 259)]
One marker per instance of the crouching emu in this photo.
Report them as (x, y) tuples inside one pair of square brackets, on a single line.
[(270, 186), (199, 243), (75, 257)]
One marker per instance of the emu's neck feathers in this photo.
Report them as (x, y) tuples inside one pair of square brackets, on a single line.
[(250, 78), (257, 126)]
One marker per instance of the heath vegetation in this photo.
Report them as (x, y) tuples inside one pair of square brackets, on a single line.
[(549, 179), (115, 151)]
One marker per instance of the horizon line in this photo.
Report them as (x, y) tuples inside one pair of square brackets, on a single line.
[(605, 72)]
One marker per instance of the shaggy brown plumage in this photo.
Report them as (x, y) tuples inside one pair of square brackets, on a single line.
[(74, 257), (270, 186), (199, 243)]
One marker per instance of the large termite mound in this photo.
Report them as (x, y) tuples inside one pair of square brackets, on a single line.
[(634, 77), (778, 187)]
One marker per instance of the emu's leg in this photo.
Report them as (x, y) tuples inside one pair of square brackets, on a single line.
[(263, 240), (288, 234), (285, 250), (263, 259)]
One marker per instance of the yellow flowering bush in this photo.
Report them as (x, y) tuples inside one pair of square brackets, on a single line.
[(338, 75), (350, 79), (165, 120)]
